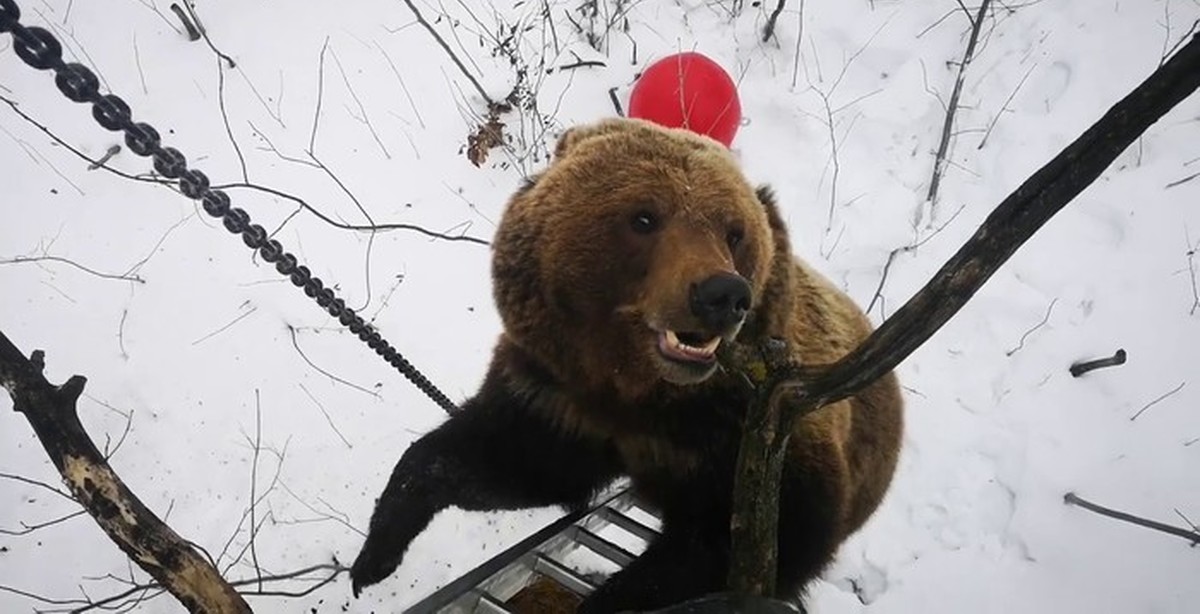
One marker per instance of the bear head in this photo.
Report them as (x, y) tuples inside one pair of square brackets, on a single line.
[(623, 266)]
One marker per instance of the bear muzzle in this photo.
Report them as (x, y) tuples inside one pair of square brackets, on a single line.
[(717, 306), (720, 302)]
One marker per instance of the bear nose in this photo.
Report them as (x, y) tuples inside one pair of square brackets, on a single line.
[(721, 301)]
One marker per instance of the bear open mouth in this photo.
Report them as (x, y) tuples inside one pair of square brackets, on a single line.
[(688, 347)]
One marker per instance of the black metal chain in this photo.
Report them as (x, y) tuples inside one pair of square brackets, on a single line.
[(39, 48)]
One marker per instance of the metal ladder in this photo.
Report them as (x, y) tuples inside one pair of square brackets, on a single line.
[(486, 588)]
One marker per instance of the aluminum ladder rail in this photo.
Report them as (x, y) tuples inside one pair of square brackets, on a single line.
[(487, 588)]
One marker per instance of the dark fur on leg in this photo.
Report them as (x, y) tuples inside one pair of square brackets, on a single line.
[(494, 454)]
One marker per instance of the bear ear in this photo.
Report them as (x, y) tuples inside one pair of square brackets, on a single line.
[(574, 136), (766, 196), (568, 140)]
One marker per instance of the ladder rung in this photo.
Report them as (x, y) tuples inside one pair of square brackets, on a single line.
[(490, 605), (627, 524), (603, 547), (562, 574)]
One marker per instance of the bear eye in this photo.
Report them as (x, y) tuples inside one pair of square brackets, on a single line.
[(644, 222), (734, 238)]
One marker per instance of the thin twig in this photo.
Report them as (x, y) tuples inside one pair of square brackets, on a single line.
[(966, 12), (241, 317), (325, 413), (403, 86), (438, 37), (1182, 39), (137, 60), (371, 221), (296, 344), (1045, 319), (1074, 499), (799, 39), (33, 482), (274, 113), (363, 117), (1187, 520), (342, 520), (111, 602), (939, 161), (280, 455), (204, 32), (113, 276), (1179, 182), (355, 227), (271, 147), (250, 186), (137, 266), (1157, 400), (1004, 107), (312, 136), (254, 488), (57, 139), (30, 528), (887, 266)]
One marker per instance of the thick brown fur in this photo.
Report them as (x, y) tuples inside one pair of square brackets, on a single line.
[(579, 393)]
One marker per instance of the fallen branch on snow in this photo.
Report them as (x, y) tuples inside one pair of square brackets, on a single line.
[(1079, 368), (1074, 499)]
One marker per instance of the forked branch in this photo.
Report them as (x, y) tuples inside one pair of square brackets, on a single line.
[(786, 392)]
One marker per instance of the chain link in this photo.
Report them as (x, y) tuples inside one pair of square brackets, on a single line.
[(39, 48)]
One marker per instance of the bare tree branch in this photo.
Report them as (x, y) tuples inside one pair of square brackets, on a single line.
[(785, 392), (149, 542)]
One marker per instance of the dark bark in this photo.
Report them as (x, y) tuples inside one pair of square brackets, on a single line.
[(755, 516), (769, 28), (193, 33), (1080, 368), (756, 491), (149, 542)]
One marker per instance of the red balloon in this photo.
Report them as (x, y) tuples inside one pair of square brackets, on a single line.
[(688, 90)]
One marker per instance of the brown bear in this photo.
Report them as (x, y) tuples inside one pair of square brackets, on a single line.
[(618, 271)]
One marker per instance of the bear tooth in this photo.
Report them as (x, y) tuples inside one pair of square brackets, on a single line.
[(672, 339)]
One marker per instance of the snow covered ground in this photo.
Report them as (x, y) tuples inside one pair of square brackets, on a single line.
[(208, 351)]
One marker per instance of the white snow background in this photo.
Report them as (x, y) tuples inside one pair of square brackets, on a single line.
[(199, 354)]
